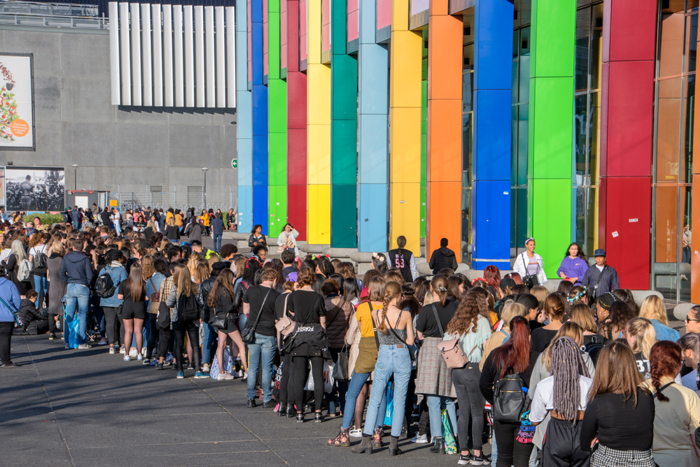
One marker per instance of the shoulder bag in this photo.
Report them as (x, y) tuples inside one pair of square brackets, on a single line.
[(530, 280), (452, 352), (593, 290), (285, 325), (437, 320), (154, 299), (287, 347), (248, 334)]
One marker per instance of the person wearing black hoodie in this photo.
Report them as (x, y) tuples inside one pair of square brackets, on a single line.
[(105, 217), (443, 258), (77, 272), (33, 321)]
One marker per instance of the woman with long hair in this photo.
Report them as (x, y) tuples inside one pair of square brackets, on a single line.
[(220, 300), (555, 310), (17, 255), (574, 265), (257, 237), (58, 288), (154, 272), (620, 414), (492, 276), (472, 330), (185, 318), (677, 409), (641, 336), (133, 313), (114, 266), (393, 360), (380, 263), (612, 323), (434, 379), (654, 310), (690, 346), (513, 356), (37, 247)]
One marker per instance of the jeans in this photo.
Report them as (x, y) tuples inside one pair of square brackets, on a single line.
[(435, 406), (5, 339), (265, 347), (471, 402), (40, 288), (354, 388), (76, 225), (152, 335), (510, 451), (78, 300), (391, 360), (217, 242), (209, 337)]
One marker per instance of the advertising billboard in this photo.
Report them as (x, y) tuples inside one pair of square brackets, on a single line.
[(34, 188), (16, 102)]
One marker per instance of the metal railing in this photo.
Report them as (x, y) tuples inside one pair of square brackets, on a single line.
[(49, 9), (52, 15), (59, 22), (176, 200)]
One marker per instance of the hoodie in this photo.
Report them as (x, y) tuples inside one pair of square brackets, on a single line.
[(28, 313), (10, 294), (76, 269), (443, 258)]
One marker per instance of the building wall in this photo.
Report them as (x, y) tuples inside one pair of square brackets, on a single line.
[(127, 149)]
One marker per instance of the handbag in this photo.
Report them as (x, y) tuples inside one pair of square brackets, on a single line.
[(452, 352), (341, 370), (285, 325), (154, 299), (530, 280), (289, 344), (248, 334)]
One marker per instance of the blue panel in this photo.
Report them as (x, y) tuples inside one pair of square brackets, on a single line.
[(260, 121), (372, 160), (260, 207), (245, 113), (260, 160), (245, 162), (373, 79), (245, 208), (493, 44), (492, 135), (367, 20), (257, 58), (372, 223), (256, 11), (490, 228)]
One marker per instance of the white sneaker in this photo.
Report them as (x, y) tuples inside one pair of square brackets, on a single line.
[(420, 439), (133, 352), (122, 350), (224, 377), (112, 351), (84, 346), (139, 358), (143, 351), (127, 358), (356, 433)]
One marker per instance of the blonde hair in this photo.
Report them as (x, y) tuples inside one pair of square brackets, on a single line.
[(171, 221), (644, 335), (192, 263), (582, 315), (540, 292), (653, 308), (57, 247), (183, 282), (510, 311), (568, 329), (202, 271)]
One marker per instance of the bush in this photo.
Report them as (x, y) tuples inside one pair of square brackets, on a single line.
[(46, 219)]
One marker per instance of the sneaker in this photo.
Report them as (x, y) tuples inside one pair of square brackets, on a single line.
[(159, 366), (356, 432), (127, 358), (420, 439), (465, 459), (480, 460), (144, 351), (112, 351), (224, 377), (146, 361), (180, 375), (133, 352), (52, 336), (245, 376), (205, 368), (84, 346), (103, 341), (200, 375), (140, 358), (122, 350)]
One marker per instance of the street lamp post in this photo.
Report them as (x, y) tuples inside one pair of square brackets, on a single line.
[(204, 169), (75, 177)]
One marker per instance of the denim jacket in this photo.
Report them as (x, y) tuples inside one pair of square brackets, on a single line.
[(118, 274)]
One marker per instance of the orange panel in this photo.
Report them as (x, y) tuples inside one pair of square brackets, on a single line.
[(444, 216), (445, 141), (695, 247), (445, 58), (439, 7)]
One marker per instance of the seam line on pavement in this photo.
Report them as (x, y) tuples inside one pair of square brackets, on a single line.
[(48, 400), (239, 422)]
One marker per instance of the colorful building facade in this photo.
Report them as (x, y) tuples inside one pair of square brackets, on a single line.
[(482, 121)]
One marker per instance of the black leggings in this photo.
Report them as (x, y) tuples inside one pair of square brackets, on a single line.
[(52, 323), (510, 451), (152, 336), (111, 325), (165, 340), (300, 373), (5, 340), (471, 402), (179, 329), (287, 378)]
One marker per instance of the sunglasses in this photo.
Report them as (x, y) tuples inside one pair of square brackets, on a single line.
[(688, 320)]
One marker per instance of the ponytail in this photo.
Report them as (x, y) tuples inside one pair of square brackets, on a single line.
[(392, 290)]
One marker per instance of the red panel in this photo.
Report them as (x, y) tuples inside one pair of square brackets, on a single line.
[(296, 208), (296, 156), (292, 35), (629, 32), (626, 229), (628, 118), (602, 211), (296, 100)]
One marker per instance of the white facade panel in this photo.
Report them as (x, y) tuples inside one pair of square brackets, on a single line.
[(209, 29), (220, 57), (189, 57), (125, 53), (146, 55), (157, 56), (136, 81), (231, 56), (179, 56), (200, 83), (114, 52)]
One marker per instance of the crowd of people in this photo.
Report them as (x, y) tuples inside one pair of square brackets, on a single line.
[(576, 377)]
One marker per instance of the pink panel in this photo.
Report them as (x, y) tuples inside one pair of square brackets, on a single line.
[(326, 22), (250, 45), (353, 20), (283, 34), (302, 31), (383, 14)]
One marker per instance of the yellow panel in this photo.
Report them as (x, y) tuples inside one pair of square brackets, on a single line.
[(405, 144), (319, 202), (314, 26), (406, 69), (318, 155), (318, 94), (405, 214), (399, 15)]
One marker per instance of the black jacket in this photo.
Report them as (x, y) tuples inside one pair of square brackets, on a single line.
[(443, 258), (608, 282), (28, 313), (204, 289), (105, 218), (172, 232), (76, 269)]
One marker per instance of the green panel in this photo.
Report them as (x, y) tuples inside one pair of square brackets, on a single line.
[(277, 159), (551, 220), (344, 151), (339, 27), (277, 94), (273, 37), (423, 192), (551, 128), (553, 37), (343, 87), (273, 6), (344, 216), (277, 207)]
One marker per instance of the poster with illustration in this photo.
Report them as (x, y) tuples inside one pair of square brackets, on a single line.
[(16, 102), (35, 188)]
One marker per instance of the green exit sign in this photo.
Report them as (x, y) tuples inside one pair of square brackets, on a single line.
[(234, 163)]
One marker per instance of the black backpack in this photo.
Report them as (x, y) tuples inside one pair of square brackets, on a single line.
[(104, 286), (40, 261), (188, 308), (593, 348), (509, 399)]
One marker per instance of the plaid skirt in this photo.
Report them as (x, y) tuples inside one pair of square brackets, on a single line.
[(434, 378), (606, 457)]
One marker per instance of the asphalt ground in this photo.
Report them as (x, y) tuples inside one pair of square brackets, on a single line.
[(88, 408)]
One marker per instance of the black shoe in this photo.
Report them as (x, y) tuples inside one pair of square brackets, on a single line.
[(439, 446), (291, 411), (318, 417), (365, 445), (300, 418), (159, 366), (251, 403), (394, 446), (269, 404), (282, 410)]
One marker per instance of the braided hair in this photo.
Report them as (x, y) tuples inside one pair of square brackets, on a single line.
[(567, 367), (392, 290), (665, 358)]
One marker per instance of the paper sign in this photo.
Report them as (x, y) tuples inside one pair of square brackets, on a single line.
[(615, 234), (634, 220)]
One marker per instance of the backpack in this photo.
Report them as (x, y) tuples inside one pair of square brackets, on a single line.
[(104, 286), (40, 260), (188, 308), (24, 270), (593, 348), (509, 399)]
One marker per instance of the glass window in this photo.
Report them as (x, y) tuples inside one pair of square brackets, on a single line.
[(596, 46), (583, 30), (580, 139)]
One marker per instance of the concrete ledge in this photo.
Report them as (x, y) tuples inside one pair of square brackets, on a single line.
[(640, 295), (680, 312), (312, 249)]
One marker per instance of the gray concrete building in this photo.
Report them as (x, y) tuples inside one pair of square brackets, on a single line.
[(153, 156)]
